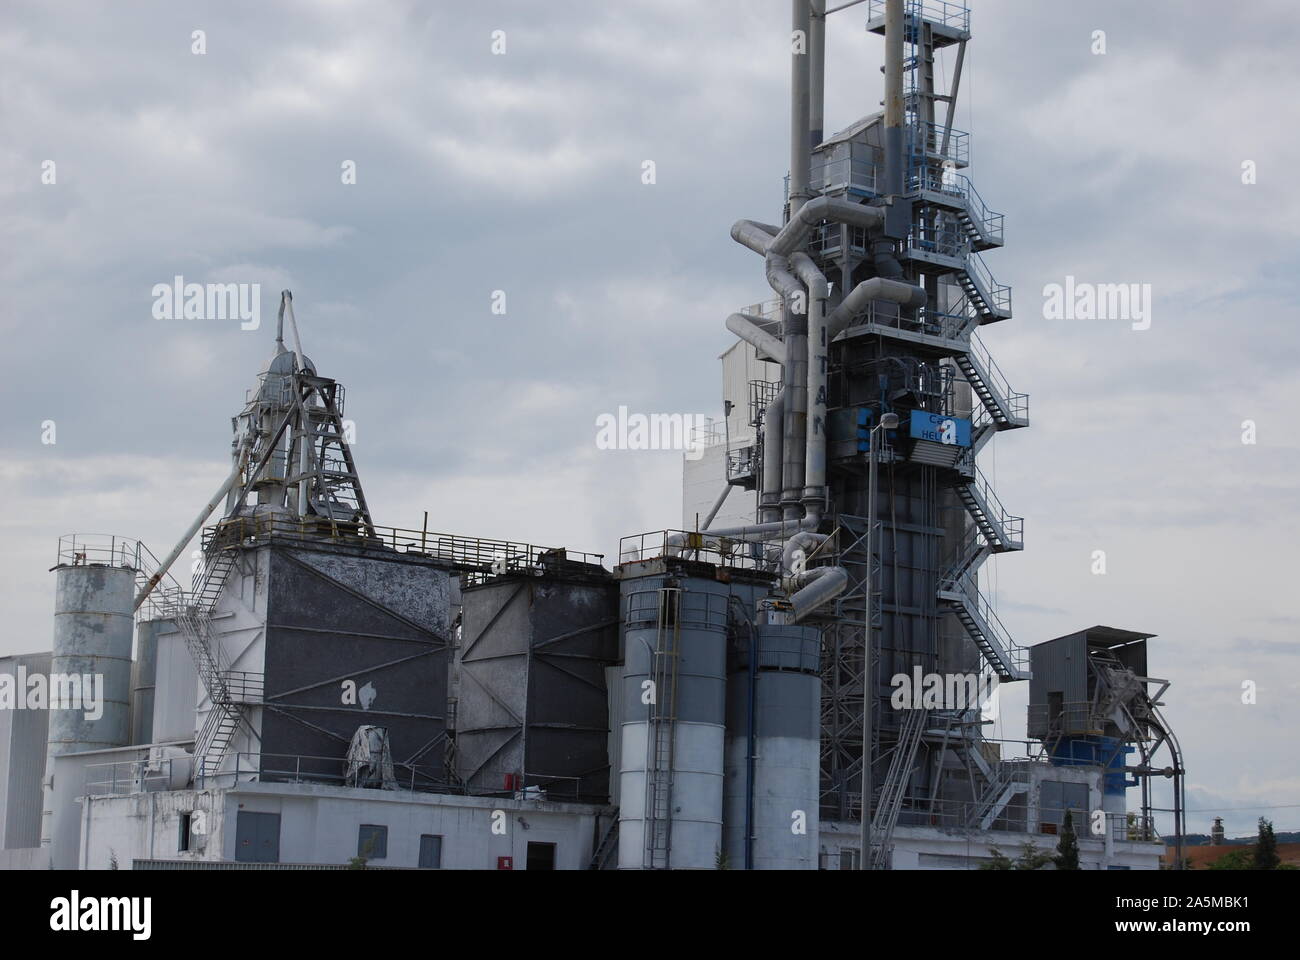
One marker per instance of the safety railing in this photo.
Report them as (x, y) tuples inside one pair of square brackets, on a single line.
[(1011, 527), (955, 15), (101, 549), (935, 141), (998, 294), (958, 186), (1017, 403), (691, 545), (471, 554)]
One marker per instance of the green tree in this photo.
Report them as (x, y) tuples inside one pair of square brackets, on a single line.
[(1031, 858), (1266, 857), (1238, 859), (999, 861), (1067, 850)]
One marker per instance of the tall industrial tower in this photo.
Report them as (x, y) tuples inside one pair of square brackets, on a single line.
[(887, 396)]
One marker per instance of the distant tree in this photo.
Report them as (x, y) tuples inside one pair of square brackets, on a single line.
[(1242, 858), (1067, 850), (1031, 858), (1266, 857)]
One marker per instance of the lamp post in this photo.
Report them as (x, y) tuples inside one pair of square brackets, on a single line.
[(888, 421)]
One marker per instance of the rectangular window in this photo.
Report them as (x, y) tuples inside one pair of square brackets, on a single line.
[(372, 841), (430, 852), (183, 842), (541, 856)]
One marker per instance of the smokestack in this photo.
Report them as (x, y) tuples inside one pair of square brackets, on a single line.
[(800, 49), (816, 73), (893, 97)]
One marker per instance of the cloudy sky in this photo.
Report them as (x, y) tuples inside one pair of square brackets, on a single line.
[(521, 172)]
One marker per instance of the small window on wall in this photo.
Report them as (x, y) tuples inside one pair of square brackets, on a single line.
[(183, 841), (372, 842), (430, 852)]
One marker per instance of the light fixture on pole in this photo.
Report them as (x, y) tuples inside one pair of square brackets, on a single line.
[(888, 421)]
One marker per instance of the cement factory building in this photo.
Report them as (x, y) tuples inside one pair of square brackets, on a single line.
[(324, 691)]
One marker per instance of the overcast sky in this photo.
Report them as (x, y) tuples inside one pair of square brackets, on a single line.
[(522, 172)]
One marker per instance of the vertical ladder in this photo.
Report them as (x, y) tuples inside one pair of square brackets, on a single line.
[(895, 788), (661, 735)]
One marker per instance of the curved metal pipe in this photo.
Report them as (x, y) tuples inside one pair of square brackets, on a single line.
[(804, 540), (877, 288), (748, 329), (823, 584), (712, 540)]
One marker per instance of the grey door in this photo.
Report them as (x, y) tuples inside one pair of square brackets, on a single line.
[(257, 837)]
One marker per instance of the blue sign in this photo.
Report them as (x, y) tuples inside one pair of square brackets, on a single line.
[(935, 427)]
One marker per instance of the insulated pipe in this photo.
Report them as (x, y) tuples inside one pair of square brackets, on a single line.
[(795, 370), (717, 505), (814, 490), (804, 540), (748, 329), (792, 236), (877, 288), (799, 106), (894, 97), (753, 234), (754, 531), (769, 502), (816, 72), (823, 585)]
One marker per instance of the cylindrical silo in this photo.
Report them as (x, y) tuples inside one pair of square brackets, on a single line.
[(90, 666), (144, 678), (774, 704), (671, 764)]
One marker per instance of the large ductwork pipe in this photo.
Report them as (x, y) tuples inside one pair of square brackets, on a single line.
[(794, 234), (805, 541), (750, 330), (861, 296), (814, 489), (754, 235), (823, 584), (769, 502), (800, 106)]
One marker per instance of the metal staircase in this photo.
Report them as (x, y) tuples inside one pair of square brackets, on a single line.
[(997, 794), (661, 735), (605, 849), (991, 300), (1007, 409), (975, 613), (890, 799), (1001, 530), (194, 619)]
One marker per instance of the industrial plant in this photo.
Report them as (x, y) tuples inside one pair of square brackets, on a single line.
[(801, 677)]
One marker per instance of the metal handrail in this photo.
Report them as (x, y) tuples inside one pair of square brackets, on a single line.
[(478, 554), (935, 11), (994, 376), (998, 294)]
